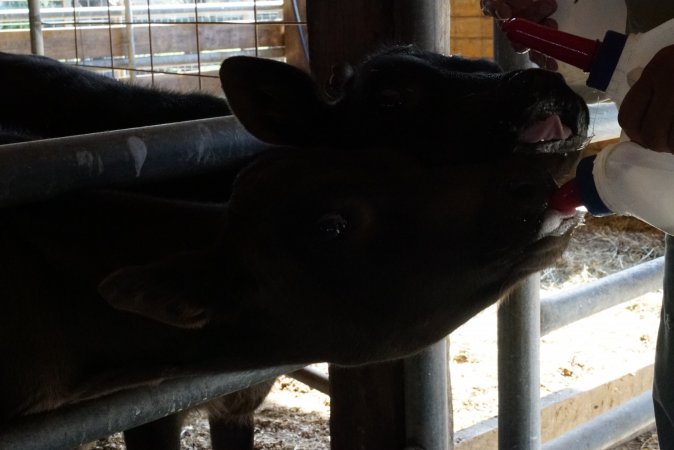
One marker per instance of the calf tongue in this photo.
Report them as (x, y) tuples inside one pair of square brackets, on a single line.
[(550, 129)]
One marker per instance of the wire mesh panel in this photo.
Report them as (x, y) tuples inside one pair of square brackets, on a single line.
[(178, 44)]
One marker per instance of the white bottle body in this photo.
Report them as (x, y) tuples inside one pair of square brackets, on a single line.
[(635, 181), (638, 51)]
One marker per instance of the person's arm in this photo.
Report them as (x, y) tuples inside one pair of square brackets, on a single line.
[(647, 112), (535, 10)]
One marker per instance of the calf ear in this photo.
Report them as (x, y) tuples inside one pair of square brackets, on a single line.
[(276, 102), (179, 291)]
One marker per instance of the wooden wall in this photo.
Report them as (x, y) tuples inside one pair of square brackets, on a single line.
[(471, 32)]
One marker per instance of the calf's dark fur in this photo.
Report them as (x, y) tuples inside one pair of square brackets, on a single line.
[(389, 217)]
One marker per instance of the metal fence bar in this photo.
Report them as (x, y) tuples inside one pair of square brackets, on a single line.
[(218, 12), (519, 405), (39, 170), (95, 419), (574, 304), (427, 419), (35, 23), (312, 378), (617, 425)]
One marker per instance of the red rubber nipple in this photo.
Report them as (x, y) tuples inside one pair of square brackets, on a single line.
[(575, 50), (566, 198)]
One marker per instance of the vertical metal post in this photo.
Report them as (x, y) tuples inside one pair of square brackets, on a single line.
[(519, 415), (519, 336), (427, 416), (368, 404), (504, 54), (130, 40), (35, 24), (424, 22)]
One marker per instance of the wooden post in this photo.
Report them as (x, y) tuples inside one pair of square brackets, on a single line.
[(367, 407), (368, 403)]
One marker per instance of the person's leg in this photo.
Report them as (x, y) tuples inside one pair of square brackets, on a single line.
[(663, 386)]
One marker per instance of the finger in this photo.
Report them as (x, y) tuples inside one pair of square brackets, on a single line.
[(540, 10), (633, 109), (657, 122), (486, 7), (496, 8), (502, 10), (647, 112)]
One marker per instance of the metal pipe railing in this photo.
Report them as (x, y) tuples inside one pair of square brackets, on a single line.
[(98, 418), (617, 425), (519, 408), (39, 170), (35, 23), (427, 423), (519, 341), (312, 378), (574, 304)]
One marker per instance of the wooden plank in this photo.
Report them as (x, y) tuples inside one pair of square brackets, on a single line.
[(473, 47), (367, 407), (472, 27), (465, 8), (565, 410)]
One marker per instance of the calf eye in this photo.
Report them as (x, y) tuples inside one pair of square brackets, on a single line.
[(331, 226)]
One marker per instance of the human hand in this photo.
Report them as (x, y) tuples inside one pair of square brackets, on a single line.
[(647, 112), (534, 10)]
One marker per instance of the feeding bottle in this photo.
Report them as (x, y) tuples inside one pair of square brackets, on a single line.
[(625, 178), (614, 63)]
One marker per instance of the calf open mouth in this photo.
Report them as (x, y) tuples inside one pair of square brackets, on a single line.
[(563, 135), (551, 132)]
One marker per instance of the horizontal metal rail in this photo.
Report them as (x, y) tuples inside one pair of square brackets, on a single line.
[(426, 385), (96, 419), (39, 170), (574, 304), (617, 425), (312, 378), (636, 415)]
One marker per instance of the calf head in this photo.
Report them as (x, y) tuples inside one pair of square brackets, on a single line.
[(396, 212)]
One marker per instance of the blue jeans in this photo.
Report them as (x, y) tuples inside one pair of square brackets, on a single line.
[(663, 386)]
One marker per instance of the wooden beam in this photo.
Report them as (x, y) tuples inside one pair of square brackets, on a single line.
[(367, 407)]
